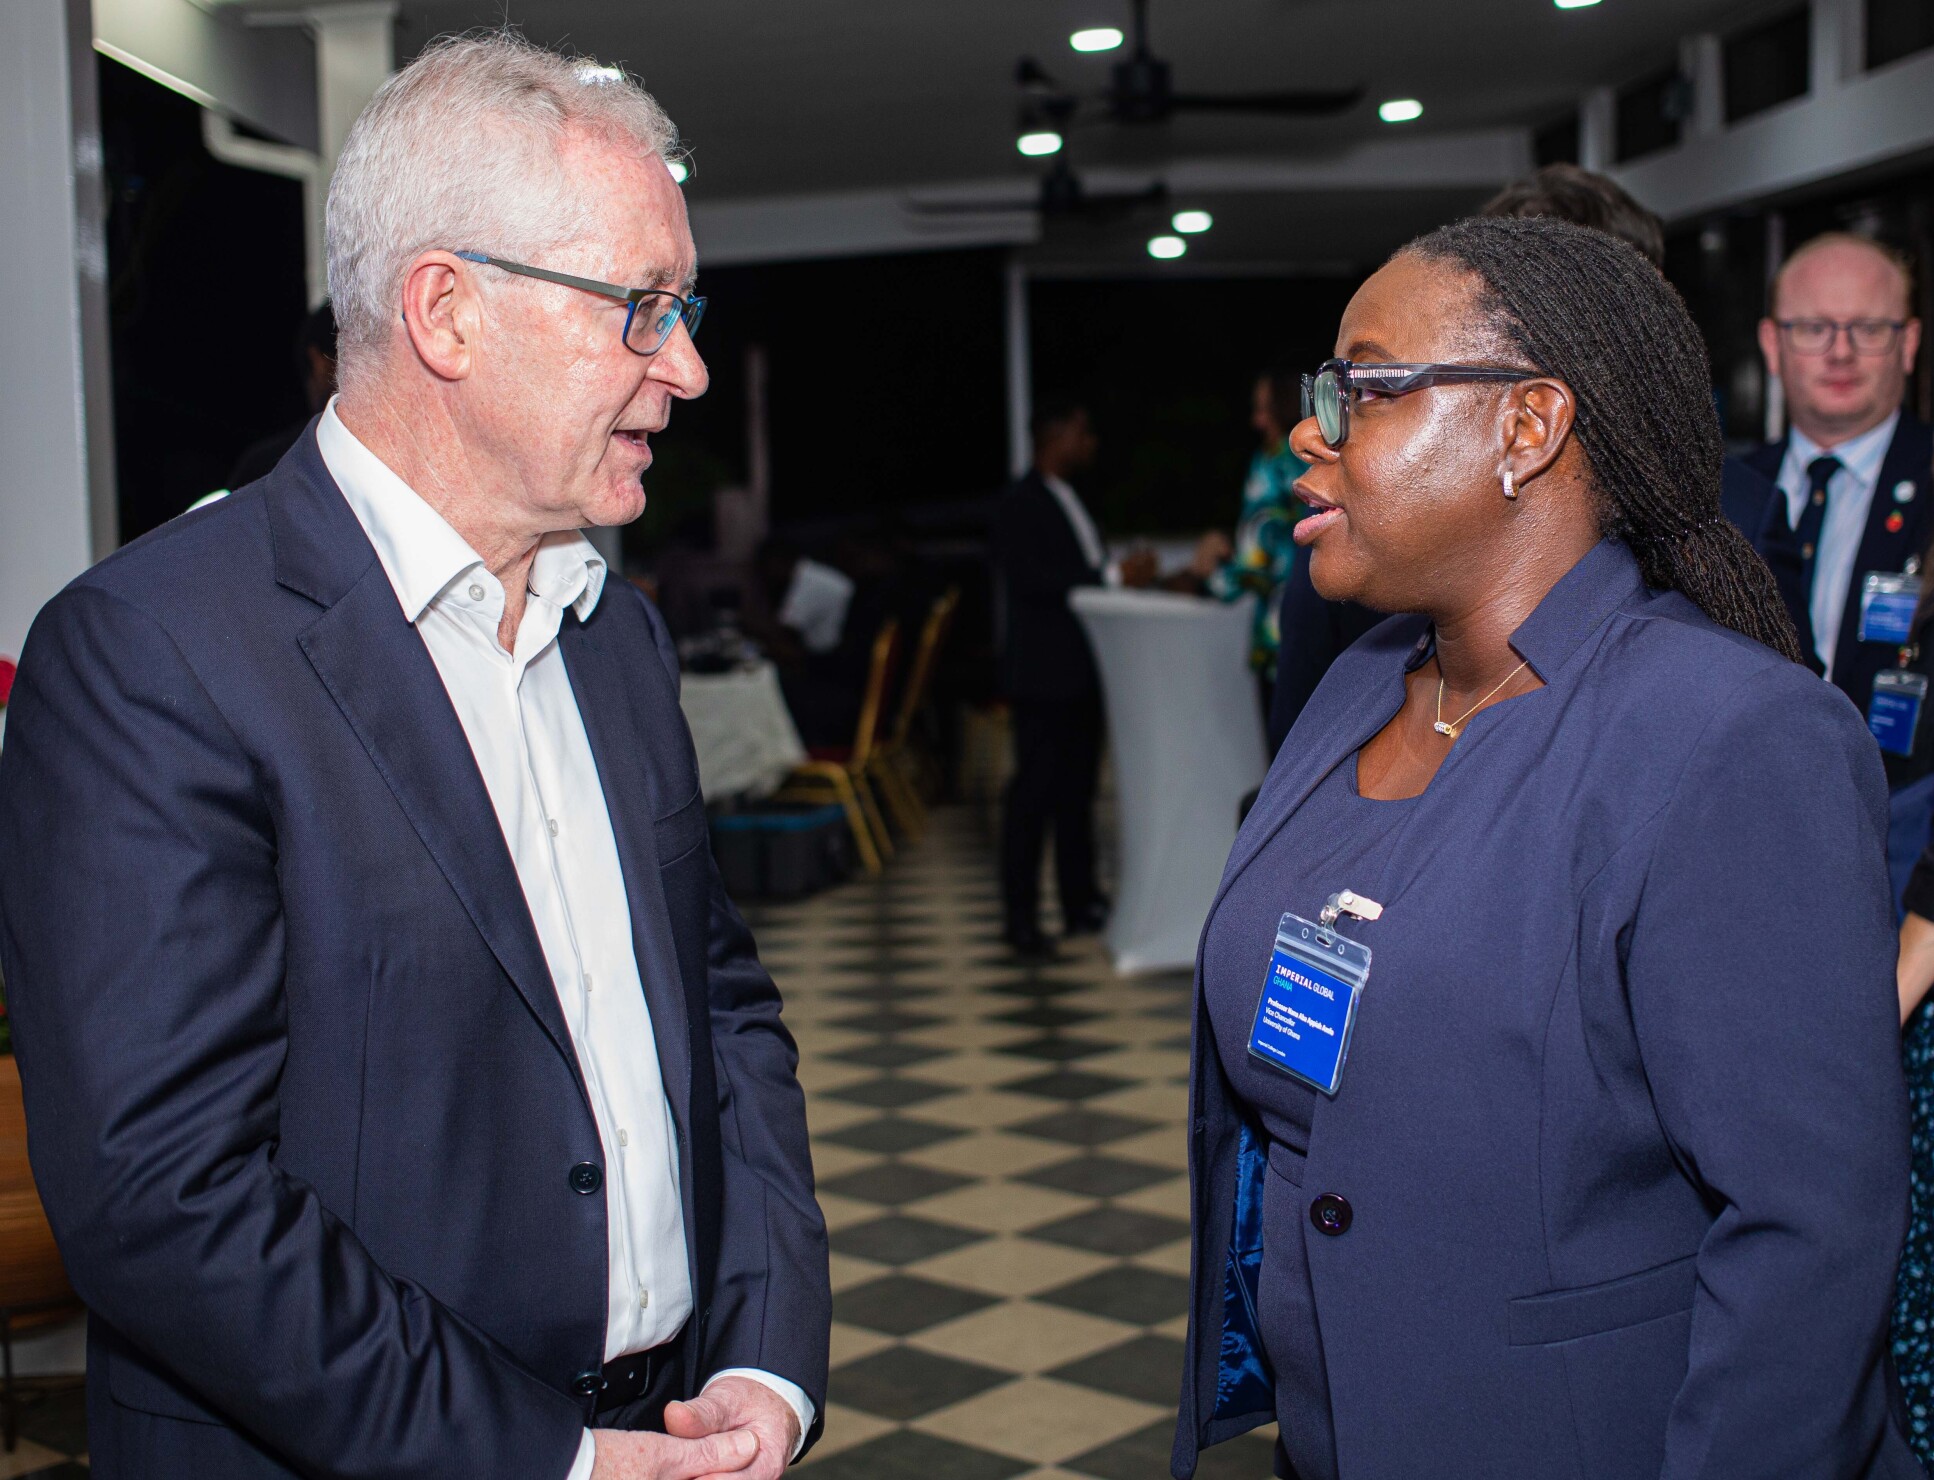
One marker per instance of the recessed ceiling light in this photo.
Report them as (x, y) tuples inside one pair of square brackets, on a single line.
[(1096, 38), (1166, 247), (1400, 110), (680, 172), (1044, 142), (1191, 221), (1573, 4)]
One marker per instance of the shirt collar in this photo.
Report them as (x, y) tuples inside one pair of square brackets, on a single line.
[(419, 551), (1571, 611), (1860, 456)]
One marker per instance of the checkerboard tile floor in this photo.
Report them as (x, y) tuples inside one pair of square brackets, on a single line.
[(1002, 1160)]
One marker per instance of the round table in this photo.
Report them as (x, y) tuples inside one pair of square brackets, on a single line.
[(742, 730), (1185, 729)]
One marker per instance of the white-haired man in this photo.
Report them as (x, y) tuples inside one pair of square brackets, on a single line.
[(406, 1096)]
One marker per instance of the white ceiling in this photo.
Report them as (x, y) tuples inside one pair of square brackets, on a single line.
[(792, 98)]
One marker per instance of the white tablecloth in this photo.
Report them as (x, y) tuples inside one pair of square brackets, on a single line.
[(1186, 731), (743, 732)]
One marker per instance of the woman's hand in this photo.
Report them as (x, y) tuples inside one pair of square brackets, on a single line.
[(1914, 973)]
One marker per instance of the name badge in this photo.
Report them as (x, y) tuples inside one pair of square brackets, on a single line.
[(1309, 999), (1887, 606), (1894, 712)]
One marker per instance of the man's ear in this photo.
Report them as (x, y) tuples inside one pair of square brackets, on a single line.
[(440, 313), (1537, 425)]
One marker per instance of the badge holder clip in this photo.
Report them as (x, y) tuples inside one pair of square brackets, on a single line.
[(1309, 999)]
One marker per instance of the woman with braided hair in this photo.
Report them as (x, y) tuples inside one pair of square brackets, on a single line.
[(1546, 1102)]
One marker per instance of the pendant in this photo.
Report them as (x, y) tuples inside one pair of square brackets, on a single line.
[(1443, 729)]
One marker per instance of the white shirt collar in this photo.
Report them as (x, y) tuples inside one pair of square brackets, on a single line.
[(1860, 456), (421, 554)]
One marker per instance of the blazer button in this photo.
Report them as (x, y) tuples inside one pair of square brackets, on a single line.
[(1331, 1214), (586, 1178), (588, 1384)]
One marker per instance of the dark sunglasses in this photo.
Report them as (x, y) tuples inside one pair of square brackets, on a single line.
[(1336, 385)]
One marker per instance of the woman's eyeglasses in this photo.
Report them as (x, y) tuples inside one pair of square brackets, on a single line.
[(1337, 384), (650, 319)]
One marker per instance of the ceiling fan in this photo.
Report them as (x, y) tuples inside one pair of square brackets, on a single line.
[(1141, 90), (1060, 196)]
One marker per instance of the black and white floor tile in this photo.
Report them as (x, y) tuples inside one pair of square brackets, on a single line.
[(1002, 1161)]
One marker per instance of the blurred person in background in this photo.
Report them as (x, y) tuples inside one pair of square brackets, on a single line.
[(406, 1095), (1258, 561), (1614, 1176), (1315, 631), (315, 368), (1855, 508), (1045, 547)]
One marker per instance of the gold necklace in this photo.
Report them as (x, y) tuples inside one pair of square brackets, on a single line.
[(1455, 725)]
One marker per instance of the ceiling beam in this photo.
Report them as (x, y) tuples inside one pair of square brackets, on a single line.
[(858, 223)]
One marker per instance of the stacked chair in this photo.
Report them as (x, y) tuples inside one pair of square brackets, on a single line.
[(880, 764)]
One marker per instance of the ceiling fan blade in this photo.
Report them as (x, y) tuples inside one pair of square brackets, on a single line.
[(1312, 103), (971, 207)]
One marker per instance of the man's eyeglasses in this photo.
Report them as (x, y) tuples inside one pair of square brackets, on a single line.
[(1817, 336), (650, 319), (1337, 384)]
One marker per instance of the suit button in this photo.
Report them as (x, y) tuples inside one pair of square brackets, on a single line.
[(586, 1178), (1331, 1214), (588, 1384)]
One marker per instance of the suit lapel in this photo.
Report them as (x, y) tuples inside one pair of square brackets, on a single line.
[(1882, 549), (627, 701), (382, 678)]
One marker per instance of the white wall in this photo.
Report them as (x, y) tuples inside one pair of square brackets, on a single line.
[(56, 461)]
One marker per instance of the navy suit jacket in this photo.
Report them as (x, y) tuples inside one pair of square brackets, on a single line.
[(301, 1100), (1855, 662), (1622, 1127)]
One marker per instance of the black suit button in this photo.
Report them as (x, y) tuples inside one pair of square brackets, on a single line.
[(586, 1178), (1331, 1214), (588, 1384)]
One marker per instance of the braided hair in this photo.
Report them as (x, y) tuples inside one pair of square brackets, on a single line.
[(1585, 308)]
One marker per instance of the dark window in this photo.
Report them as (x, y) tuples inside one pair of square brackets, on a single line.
[(1768, 64), (1648, 115), (1898, 28), (1556, 142)]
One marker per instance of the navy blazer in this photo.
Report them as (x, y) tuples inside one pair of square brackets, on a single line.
[(1855, 662), (1622, 1126), (301, 1100)]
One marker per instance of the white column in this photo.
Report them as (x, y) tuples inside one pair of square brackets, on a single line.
[(57, 502), (1839, 44), (1702, 60), (1020, 382), (1598, 129), (355, 53)]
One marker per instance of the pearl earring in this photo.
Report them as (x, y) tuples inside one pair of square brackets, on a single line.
[(1510, 485)]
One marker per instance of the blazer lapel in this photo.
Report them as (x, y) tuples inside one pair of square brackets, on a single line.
[(1317, 745), (382, 678), (1882, 549), (628, 701)]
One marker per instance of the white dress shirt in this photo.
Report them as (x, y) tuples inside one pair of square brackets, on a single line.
[(521, 718), (1850, 496), (1085, 533)]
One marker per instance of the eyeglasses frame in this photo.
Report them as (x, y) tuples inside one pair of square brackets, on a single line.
[(1396, 380), (1894, 328), (690, 310)]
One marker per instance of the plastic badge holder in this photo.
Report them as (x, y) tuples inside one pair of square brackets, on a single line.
[(1309, 1000), (1894, 715), (1887, 606)]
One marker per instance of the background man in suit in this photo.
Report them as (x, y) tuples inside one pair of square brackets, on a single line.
[(1841, 336), (406, 1096), (1045, 546)]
